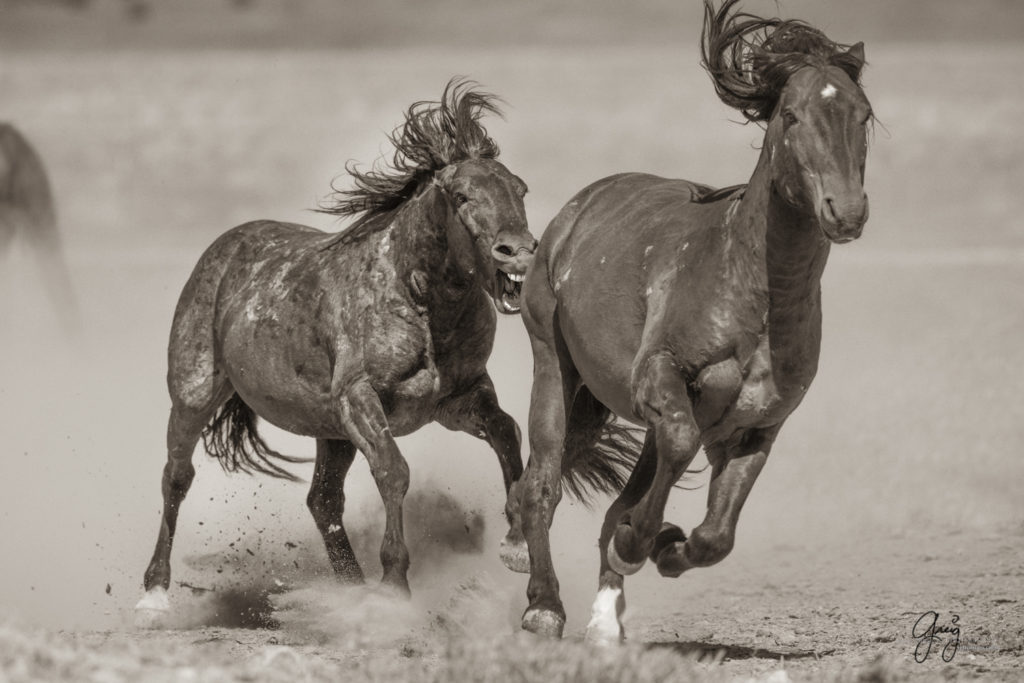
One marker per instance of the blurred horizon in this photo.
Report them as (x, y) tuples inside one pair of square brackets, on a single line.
[(336, 24)]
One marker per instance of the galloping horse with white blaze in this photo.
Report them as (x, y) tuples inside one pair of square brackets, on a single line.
[(27, 212), (693, 312), (357, 337)]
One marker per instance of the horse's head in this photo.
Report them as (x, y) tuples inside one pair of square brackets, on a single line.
[(807, 89), (817, 141), (488, 232)]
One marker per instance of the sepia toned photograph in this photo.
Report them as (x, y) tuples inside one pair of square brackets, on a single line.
[(554, 340)]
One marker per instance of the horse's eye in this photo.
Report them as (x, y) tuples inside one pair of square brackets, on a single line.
[(789, 118), (460, 199)]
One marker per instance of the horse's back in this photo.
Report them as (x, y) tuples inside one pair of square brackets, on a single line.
[(618, 215)]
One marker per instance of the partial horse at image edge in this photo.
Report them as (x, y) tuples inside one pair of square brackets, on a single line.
[(28, 214)]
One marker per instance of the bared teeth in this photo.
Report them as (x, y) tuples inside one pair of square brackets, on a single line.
[(515, 277)]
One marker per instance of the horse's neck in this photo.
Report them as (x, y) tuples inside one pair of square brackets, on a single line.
[(794, 253), (422, 256)]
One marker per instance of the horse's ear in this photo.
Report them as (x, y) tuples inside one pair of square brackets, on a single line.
[(852, 61), (857, 52)]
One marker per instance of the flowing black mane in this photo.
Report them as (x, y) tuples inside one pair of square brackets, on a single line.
[(434, 135), (751, 58)]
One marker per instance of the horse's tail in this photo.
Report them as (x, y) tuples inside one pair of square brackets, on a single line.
[(600, 451), (232, 439)]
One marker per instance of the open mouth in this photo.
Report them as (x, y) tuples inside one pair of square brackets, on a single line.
[(508, 287)]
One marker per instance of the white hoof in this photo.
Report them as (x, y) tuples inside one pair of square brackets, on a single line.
[(620, 566), (152, 610), (515, 556), (604, 628)]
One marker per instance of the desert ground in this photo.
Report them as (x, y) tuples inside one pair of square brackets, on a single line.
[(893, 491)]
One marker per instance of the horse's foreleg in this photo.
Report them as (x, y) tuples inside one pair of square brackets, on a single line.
[(477, 412), (732, 476), (326, 502), (540, 490), (366, 423), (605, 625), (662, 400)]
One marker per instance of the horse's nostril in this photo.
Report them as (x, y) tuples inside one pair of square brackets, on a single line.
[(830, 210)]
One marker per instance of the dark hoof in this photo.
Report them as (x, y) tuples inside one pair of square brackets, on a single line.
[(671, 561), (544, 622), (515, 555), (619, 555), (668, 535)]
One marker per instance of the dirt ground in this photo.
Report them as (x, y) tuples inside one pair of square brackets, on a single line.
[(892, 493), (801, 614)]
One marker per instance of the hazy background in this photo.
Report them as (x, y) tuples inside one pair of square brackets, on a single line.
[(164, 124)]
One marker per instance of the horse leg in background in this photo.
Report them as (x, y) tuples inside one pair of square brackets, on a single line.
[(183, 430), (732, 476), (326, 502), (477, 413), (605, 625), (366, 423), (663, 401)]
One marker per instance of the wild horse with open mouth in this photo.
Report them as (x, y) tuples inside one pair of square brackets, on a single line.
[(357, 337), (693, 312)]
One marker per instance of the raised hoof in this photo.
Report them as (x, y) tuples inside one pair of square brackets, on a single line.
[(153, 609), (615, 561), (668, 535), (543, 622), (671, 561), (515, 556)]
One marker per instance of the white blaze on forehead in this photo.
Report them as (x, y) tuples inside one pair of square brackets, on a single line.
[(828, 91)]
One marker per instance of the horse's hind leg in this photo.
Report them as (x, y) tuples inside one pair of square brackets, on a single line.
[(326, 502), (183, 431), (733, 474), (197, 389), (366, 423)]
